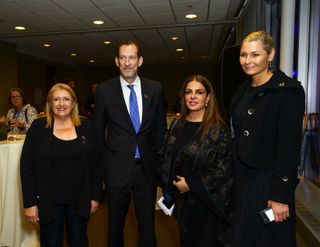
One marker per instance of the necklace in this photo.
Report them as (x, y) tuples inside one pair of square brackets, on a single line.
[(65, 133)]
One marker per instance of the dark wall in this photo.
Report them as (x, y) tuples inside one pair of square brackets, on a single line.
[(36, 76), (231, 76), (170, 75), (8, 74)]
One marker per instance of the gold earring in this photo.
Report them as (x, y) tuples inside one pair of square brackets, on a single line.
[(206, 104)]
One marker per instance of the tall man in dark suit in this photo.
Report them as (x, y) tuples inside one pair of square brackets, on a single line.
[(133, 118)]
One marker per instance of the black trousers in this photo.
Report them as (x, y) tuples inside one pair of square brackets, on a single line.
[(52, 234), (199, 226), (144, 196)]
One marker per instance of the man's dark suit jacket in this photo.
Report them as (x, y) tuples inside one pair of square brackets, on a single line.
[(36, 172), (120, 144)]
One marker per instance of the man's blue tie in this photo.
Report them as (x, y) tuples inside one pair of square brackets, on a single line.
[(134, 114)]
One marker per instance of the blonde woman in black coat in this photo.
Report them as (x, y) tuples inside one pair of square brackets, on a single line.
[(60, 175), (196, 166), (267, 114)]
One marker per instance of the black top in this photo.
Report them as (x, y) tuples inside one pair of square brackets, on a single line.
[(187, 134), (66, 173)]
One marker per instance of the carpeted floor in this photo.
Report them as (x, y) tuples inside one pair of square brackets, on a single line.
[(166, 229)]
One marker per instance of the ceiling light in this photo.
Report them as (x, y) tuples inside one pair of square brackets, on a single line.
[(191, 16), (174, 38), (97, 22), (107, 42), (73, 54), (46, 45), (20, 28), (179, 49), (91, 61)]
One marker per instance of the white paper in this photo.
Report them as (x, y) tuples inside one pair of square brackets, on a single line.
[(167, 211)]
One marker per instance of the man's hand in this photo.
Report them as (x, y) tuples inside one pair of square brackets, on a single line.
[(94, 206)]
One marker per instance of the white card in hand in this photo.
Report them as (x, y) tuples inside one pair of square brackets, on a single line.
[(167, 211)]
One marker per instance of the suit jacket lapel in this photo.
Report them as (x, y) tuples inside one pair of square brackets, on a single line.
[(118, 94), (145, 93)]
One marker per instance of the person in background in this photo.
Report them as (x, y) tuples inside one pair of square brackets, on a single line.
[(177, 104), (59, 168), (72, 83), (91, 101), (2, 118), (266, 116), (196, 163), (132, 110), (21, 115)]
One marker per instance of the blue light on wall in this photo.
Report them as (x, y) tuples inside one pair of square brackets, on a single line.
[(294, 73)]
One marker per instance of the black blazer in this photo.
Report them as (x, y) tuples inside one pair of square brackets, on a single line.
[(35, 169), (119, 146), (271, 132)]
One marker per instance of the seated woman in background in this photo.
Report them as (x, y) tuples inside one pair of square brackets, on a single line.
[(60, 173), (196, 163), (21, 115)]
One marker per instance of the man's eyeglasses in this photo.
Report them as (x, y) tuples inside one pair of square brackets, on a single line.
[(15, 96)]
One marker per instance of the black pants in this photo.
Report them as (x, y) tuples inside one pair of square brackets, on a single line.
[(144, 196), (52, 234), (200, 226)]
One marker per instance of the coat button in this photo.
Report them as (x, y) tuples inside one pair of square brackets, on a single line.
[(38, 197), (260, 94), (281, 84), (245, 133), (250, 111), (285, 179)]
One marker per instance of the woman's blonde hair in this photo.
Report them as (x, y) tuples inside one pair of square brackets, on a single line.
[(74, 114), (212, 115), (264, 37)]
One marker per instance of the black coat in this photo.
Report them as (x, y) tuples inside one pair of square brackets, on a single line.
[(36, 172), (271, 132), (266, 145), (119, 147), (206, 166)]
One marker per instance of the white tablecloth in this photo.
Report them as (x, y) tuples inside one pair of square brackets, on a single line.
[(15, 231)]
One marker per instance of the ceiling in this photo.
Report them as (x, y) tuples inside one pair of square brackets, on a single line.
[(67, 25)]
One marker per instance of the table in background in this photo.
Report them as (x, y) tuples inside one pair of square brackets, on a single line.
[(15, 231)]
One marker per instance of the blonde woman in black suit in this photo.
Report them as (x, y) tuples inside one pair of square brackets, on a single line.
[(60, 172)]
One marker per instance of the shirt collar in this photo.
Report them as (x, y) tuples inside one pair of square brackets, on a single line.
[(124, 83)]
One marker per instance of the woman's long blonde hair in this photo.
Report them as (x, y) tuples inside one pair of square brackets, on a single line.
[(74, 114)]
